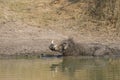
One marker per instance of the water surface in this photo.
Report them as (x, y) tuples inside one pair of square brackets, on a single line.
[(67, 68)]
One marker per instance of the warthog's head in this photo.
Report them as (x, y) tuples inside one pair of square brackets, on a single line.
[(63, 46)]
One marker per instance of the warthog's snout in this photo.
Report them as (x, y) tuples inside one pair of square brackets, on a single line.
[(52, 46)]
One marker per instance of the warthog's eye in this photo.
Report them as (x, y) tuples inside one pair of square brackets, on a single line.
[(63, 44)]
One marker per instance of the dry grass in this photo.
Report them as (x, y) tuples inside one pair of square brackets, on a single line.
[(63, 16)]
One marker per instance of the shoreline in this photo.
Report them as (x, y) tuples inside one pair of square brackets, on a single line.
[(20, 39)]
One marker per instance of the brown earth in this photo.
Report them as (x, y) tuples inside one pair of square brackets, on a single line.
[(27, 27), (17, 38)]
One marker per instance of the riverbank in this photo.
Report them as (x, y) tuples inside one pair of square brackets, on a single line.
[(18, 39), (27, 27)]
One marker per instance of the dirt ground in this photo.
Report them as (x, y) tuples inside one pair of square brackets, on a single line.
[(27, 27), (19, 38)]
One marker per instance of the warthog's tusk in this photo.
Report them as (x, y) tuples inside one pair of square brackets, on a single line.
[(52, 41)]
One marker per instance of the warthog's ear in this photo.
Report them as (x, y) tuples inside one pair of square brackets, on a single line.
[(70, 39), (52, 42)]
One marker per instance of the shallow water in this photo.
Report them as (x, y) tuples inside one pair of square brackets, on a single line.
[(67, 68)]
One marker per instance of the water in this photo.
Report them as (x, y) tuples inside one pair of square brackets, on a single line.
[(67, 68)]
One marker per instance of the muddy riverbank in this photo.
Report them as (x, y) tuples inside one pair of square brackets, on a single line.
[(20, 39), (27, 27)]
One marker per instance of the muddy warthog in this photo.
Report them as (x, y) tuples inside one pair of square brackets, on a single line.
[(70, 48)]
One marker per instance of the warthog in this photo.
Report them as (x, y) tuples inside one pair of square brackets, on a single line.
[(70, 48)]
